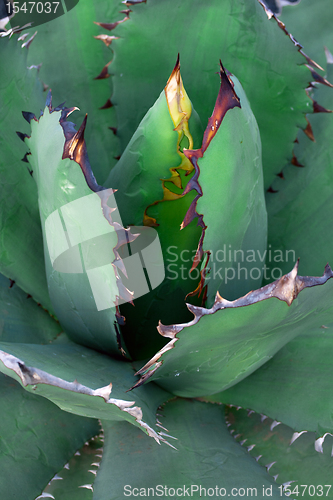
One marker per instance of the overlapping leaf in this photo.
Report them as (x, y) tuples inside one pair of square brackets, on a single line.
[(82, 381), (206, 457), (294, 387), (35, 436), (299, 212), (298, 461), (20, 91), (224, 344), (255, 49)]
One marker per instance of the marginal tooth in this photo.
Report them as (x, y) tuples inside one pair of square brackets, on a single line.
[(295, 436), (93, 472), (275, 477), (258, 458), (274, 424), (263, 417), (87, 486), (45, 495), (228, 424), (167, 435), (237, 436), (107, 39), (288, 483), (28, 42), (161, 426), (171, 446), (28, 116), (268, 466), (107, 105), (249, 412), (232, 431), (77, 454), (66, 466), (320, 441), (249, 448), (99, 456), (96, 464), (22, 37), (56, 478), (242, 442), (329, 56), (239, 408), (22, 136)]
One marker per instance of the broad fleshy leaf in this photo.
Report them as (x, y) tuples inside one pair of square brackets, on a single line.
[(320, 13), (225, 344), (298, 213), (151, 179), (205, 455), (20, 90), (36, 440), (229, 204), (82, 381), (21, 320), (295, 386), (81, 232), (256, 49), (290, 457), (75, 480), (85, 61)]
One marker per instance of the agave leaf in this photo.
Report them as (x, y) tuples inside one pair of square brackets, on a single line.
[(232, 339), (82, 59), (230, 204), (320, 13), (281, 387), (82, 381), (205, 455), (21, 320), (78, 474), (19, 215), (289, 457), (298, 217), (255, 49), (37, 439), (77, 220), (150, 179)]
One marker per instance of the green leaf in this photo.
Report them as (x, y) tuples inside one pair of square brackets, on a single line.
[(82, 381), (150, 179), (74, 481), (21, 320), (37, 439), (80, 235), (293, 386), (206, 457), (289, 457), (20, 91), (225, 344), (320, 13), (230, 204), (255, 49), (81, 58), (297, 213)]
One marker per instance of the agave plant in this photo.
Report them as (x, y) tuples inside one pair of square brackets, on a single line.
[(164, 264)]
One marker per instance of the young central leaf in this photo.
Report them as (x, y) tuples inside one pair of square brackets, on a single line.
[(230, 201), (150, 179)]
